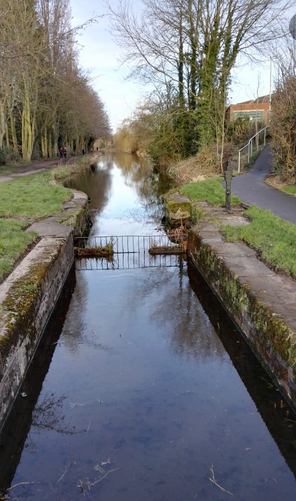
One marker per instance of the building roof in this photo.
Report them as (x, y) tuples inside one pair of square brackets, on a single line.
[(259, 100)]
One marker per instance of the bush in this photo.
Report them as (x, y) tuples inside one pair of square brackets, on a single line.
[(242, 129), (2, 157), (283, 128), (11, 155)]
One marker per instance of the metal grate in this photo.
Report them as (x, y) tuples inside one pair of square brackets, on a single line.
[(129, 252)]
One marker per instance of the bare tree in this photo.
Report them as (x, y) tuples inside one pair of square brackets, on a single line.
[(38, 63), (195, 44), (283, 115)]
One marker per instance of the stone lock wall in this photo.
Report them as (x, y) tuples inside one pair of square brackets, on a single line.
[(30, 293), (259, 302)]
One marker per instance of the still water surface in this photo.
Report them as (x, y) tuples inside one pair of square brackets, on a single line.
[(142, 389)]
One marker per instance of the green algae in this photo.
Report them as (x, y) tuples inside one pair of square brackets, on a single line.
[(269, 336), (19, 308)]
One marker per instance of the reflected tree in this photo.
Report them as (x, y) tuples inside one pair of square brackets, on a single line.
[(172, 299)]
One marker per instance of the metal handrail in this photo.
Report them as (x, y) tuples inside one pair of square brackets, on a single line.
[(249, 145)]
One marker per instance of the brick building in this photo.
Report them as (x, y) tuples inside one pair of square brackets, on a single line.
[(254, 109)]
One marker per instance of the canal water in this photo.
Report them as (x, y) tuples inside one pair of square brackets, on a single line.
[(142, 389)]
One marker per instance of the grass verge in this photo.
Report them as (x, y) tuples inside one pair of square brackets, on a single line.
[(210, 190), (291, 190), (13, 243), (23, 201), (32, 196), (273, 238)]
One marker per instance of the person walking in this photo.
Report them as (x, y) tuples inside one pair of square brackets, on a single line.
[(65, 152)]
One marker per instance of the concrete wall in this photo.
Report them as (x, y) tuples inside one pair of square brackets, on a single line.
[(29, 295), (259, 301)]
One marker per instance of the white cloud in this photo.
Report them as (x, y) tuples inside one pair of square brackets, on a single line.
[(99, 56), (251, 81)]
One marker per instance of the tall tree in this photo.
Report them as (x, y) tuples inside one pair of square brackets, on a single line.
[(195, 44), (41, 85)]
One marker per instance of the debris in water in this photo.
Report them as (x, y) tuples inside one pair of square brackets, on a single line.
[(213, 480), (82, 484), (168, 249), (76, 404), (97, 467)]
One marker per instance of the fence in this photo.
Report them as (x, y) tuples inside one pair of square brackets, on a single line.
[(255, 142), (129, 252)]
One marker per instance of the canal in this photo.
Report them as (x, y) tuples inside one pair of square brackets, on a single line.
[(142, 389)]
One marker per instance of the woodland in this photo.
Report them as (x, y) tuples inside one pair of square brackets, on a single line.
[(46, 100)]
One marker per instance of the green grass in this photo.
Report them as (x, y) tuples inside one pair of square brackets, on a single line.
[(291, 190), (13, 243), (271, 236), (35, 197), (32, 196), (210, 191)]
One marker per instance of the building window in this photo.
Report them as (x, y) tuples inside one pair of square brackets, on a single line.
[(253, 115)]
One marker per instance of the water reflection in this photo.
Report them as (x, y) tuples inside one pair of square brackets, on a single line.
[(278, 416), (162, 390), (157, 393), (97, 183), (132, 199), (18, 426)]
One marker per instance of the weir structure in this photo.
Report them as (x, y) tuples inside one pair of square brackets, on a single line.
[(100, 252)]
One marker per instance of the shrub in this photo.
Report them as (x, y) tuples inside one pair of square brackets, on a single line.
[(2, 157)]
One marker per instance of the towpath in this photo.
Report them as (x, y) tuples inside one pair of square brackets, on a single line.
[(23, 170), (251, 189)]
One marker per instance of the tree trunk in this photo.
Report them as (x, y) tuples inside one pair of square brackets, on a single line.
[(2, 124), (13, 131), (44, 143)]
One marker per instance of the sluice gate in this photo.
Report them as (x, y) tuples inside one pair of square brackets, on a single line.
[(127, 252)]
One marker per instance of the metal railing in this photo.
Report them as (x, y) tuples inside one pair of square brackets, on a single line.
[(129, 252), (254, 142)]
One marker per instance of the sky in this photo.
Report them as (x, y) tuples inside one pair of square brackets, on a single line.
[(99, 56)]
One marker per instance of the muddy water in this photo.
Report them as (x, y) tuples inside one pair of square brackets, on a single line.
[(142, 388)]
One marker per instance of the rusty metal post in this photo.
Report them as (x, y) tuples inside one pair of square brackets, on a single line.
[(228, 177)]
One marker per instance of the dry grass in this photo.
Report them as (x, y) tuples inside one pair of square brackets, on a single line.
[(276, 182), (194, 169), (204, 165), (279, 184)]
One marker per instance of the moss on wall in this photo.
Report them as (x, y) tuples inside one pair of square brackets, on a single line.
[(273, 342)]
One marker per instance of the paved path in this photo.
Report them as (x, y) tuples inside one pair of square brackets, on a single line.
[(251, 189)]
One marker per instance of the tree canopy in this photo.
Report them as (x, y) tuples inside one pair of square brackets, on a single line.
[(190, 47)]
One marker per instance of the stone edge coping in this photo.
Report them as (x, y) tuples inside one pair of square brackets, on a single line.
[(270, 325), (32, 289), (276, 291)]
